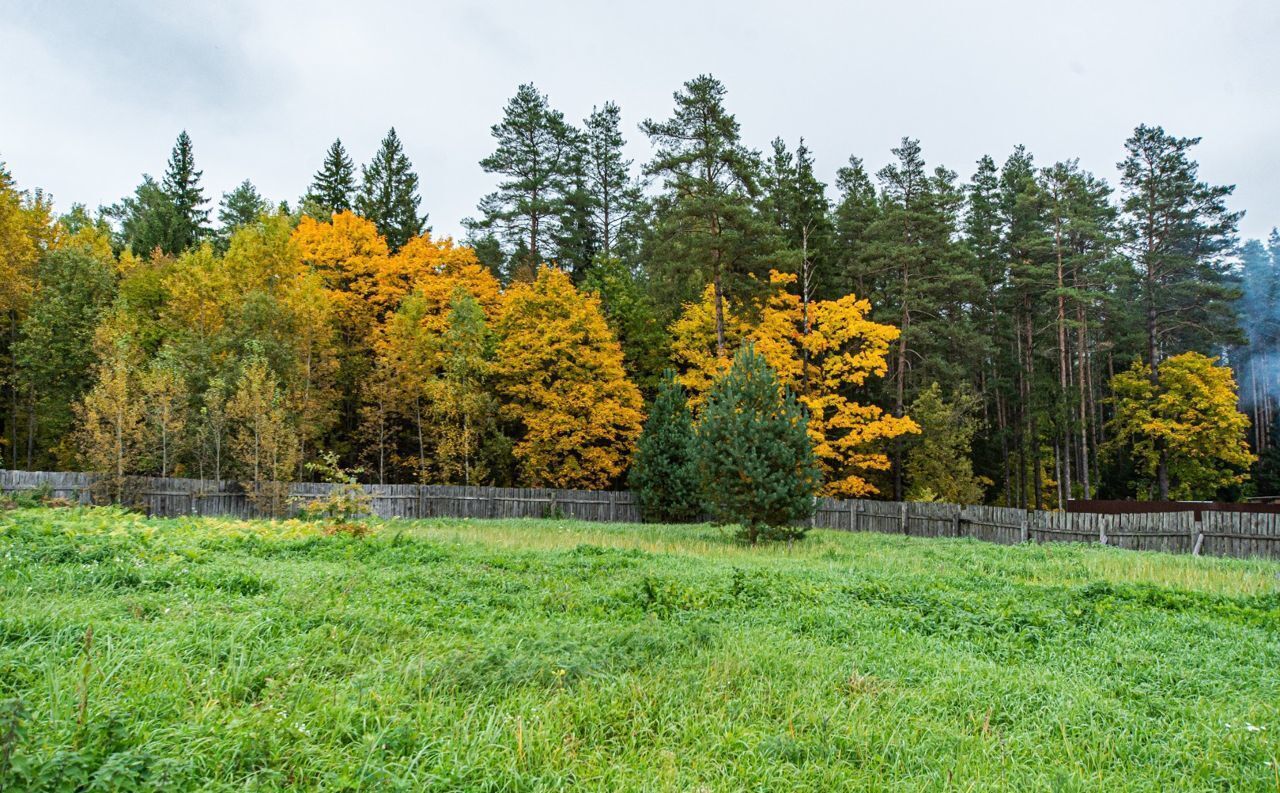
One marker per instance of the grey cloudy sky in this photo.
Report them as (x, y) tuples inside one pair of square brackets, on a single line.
[(92, 94)]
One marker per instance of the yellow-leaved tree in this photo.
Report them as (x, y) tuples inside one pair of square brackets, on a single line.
[(112, 419), (263, 442), (825, 366), (418, 365), (558, 368), (1192, 413)]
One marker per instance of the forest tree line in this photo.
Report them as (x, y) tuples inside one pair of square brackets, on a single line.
[(1022, 336)]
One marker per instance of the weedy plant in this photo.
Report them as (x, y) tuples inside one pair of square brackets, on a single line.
[(346, 504)]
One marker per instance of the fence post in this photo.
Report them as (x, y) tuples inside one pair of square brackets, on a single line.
[(853, 514), (1102, 529), (1026, 528), (955, 521), (903, 520)]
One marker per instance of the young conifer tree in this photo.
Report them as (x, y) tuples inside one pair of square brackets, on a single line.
[(663, 474), (755, 460)]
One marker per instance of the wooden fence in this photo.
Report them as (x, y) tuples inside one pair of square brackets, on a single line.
[(1239, 534)]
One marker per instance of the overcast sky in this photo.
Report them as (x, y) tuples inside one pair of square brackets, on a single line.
[(92, 94)]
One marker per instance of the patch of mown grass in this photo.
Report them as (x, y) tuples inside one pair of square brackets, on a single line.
[(546, 655)]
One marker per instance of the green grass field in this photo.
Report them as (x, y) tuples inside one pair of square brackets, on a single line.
[(552, 655)]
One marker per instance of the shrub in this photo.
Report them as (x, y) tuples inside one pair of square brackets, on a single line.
[(346, 502)]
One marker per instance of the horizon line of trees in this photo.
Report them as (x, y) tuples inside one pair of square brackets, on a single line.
[(994, 323)]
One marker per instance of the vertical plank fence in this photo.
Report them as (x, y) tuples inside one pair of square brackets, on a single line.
[(1238, 534)]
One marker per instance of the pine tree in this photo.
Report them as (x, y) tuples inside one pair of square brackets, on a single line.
[(389, 194), (333, 189), (577, 242), (664, 475), (755, 462), (1178, 233), (54, 353), (919, 279), (853, 220), (706, 228), (1254, 360), (190, 219), (535, 159), (797, 204), (240, 207), (614, 193)]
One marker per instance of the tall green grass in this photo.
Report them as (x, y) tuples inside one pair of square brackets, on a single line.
[(551, 655)]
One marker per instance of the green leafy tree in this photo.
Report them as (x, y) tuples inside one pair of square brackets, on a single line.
[(635, 319), (389, 194), (1183, 425), (755, 461), (144, 219), (55, 353), (462, 395), (852, 219), (919, 279), (171, 215), (334, 187), (664, 474), (939, 465)]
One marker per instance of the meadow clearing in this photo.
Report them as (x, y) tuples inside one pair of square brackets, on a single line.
[(528, 655)]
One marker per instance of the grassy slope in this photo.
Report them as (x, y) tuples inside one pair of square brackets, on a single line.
[(540, 655)]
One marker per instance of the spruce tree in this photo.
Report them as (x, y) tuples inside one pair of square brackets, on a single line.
[(755, 461), (333, 189), (389, 194), (190, 220), (664, 476)]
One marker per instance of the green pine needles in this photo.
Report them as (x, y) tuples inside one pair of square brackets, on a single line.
[(754, 458), (664, 474)]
